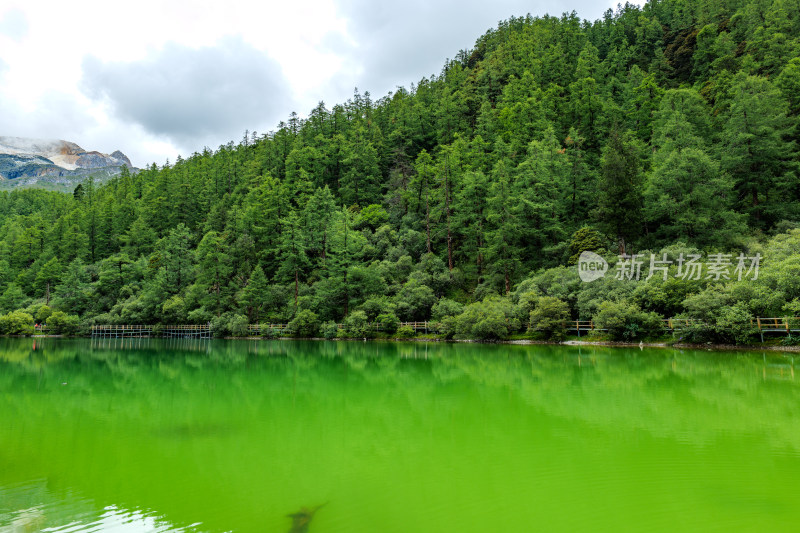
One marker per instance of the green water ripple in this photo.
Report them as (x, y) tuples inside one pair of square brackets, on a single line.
[(149, 435)]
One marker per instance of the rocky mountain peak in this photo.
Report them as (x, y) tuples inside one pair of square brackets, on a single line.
[(22, 157)]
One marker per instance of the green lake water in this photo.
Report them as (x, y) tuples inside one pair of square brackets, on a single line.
[(188, 435)]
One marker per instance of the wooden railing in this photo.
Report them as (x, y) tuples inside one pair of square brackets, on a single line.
[(122, 330), (416, 326), (190, 331), (785, 325), (256, 328), (148, 330)]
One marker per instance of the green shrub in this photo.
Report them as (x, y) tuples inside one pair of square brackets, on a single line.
[(219, 326), (585, 239), (493, 318), (267, 332), (305, 323), (445, 308), (525, 302), (388, 323), (606, 289), (626, 321), (356, 325), (549, 316), (665, 297), (60, 323), (230, 325), (16, 323), (790, 340), (793, 307), (42, 313), (405, 332), (377, 305), (330, 329), (698, 332), (733, 325), (173, 311), (446, 327), (707, 304), (414, 301), (237, 325)]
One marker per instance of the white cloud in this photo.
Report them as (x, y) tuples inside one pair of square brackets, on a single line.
[(14, 24), (162, 78), (193, 96), (397, 44)]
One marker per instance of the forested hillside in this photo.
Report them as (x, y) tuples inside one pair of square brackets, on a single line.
[(466, 197)]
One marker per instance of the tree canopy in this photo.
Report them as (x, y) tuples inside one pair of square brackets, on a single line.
[(673, 124)]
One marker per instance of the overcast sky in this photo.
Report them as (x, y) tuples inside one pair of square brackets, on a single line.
[(158, 78)]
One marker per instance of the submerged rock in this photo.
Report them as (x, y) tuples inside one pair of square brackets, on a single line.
[(302, 518)]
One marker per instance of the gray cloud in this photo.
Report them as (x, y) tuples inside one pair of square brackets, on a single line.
[(60, 115), (56, 114), (14, 24), (193, 97), (399, 45)]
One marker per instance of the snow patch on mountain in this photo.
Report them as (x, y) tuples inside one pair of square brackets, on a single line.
[(38, 157)]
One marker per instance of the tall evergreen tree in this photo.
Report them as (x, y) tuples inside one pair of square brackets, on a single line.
[(759, 153), (619, 202), (214, 270), (504, 229), (292, 252), (255, 294)]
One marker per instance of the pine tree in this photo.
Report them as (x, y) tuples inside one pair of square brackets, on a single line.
[(504, 229), (470, 221), (318, 215), (254, 295), (360, 181), (292, 252), (47, 278), (619, 202), (214, 269), (420, 191), (539, 187), (687, 194), (175, 256), (758, 152)]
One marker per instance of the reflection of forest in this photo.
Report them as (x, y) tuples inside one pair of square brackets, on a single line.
[(690, 394), (217, 431)]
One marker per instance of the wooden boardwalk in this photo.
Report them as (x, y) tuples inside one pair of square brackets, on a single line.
[(785, 325), (122, 331), (256, 329)]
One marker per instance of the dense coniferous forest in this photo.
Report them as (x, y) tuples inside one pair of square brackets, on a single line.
[(466, 198)]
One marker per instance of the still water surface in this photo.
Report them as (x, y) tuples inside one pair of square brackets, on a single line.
[(149, 435)]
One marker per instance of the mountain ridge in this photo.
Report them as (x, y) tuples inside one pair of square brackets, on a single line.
[(54, 163)]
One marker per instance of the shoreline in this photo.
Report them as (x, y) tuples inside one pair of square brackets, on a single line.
[(521, 342)]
